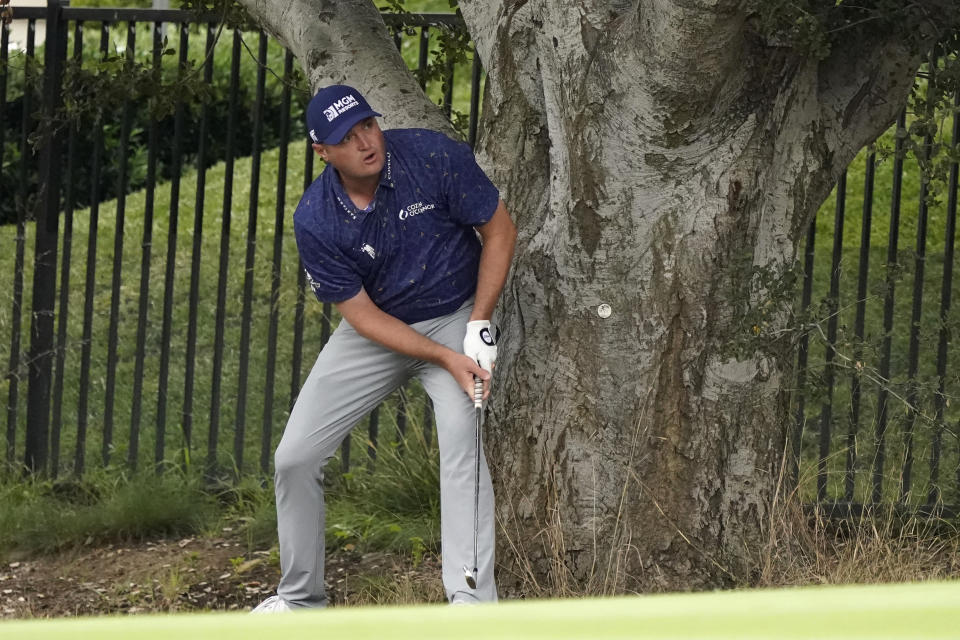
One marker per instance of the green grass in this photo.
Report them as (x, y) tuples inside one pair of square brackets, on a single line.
[(395, 507), (38, 516), (391, 506), (875, 612)]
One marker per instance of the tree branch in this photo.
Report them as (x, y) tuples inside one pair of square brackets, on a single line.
[(482, 19), (862, 88), (346, 41)]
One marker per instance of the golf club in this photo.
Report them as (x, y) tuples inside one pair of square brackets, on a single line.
[(471, 576)]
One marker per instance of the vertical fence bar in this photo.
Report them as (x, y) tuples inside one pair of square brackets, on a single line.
[(324, 336), (145, 257), (266, 434), (226, 216), (914, 350), (296, 362), (882, 400), (11, 432), (423, 56), (859, 323), (112, 336), (190, 370), (26, 158), (826, 412), (168, 276), (91, 272), (448, 87), (803, 349), (45, 255), (373, 434), (325, 323), (240, 418), (427, 420), (946, 292), (63, 305), (345, 454), (401, 418), (4, 58), (475, 70)]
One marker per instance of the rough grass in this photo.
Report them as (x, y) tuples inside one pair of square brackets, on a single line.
[(390, 506), (804, 547), (40, 516)]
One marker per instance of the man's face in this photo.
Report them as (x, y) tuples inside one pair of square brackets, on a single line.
[(360, 154)]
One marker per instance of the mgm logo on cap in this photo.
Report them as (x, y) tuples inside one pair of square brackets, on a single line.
[(340, 106)]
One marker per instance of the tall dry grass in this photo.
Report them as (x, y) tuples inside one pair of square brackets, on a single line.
[(802, 545)]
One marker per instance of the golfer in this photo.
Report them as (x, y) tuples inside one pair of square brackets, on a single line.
[(409, 239)]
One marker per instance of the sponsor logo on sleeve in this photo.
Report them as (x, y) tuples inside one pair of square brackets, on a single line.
[(316, 286)]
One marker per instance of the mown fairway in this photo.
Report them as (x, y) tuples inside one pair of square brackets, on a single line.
[(927, 610)]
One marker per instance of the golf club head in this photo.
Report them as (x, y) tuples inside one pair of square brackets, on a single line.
[(470, 577)]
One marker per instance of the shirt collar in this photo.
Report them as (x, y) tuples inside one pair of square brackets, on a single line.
[(386, 180)]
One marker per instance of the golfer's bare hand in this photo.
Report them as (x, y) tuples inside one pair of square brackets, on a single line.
[(464, 369)]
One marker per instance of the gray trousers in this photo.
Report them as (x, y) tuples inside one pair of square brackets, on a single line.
[(353, 375)]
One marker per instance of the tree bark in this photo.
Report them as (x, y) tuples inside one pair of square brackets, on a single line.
[(662, 159)]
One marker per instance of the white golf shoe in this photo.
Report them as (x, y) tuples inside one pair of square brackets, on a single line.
[(273, 604)]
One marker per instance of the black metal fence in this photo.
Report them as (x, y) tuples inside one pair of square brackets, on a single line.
[(170, 347), (129, 327), (874, 415)]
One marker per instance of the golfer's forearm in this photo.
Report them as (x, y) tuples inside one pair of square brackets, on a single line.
[(499, 238), (494, 266), (372, 323)]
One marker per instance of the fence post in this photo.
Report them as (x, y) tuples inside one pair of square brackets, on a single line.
[(45, 263)]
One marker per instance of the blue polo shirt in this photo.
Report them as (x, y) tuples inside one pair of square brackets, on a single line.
[(414, 250)]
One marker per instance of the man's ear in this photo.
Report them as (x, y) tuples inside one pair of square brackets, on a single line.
[(321, 150)]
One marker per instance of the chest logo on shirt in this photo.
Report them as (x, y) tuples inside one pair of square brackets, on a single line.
[(370, 251), (415, 209)]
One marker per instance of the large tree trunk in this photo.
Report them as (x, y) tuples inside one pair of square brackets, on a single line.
[(663, 160)]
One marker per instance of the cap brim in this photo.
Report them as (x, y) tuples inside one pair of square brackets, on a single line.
[(349, 119)]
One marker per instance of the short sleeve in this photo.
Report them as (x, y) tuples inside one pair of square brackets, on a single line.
[(329, 272), (471, 197)]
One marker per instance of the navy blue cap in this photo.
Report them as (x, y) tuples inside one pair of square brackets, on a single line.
[(333, 112)]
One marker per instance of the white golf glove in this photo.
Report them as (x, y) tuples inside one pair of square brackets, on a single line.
[(480, 343)]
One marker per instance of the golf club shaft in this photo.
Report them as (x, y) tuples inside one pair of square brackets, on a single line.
[(478, 404)]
